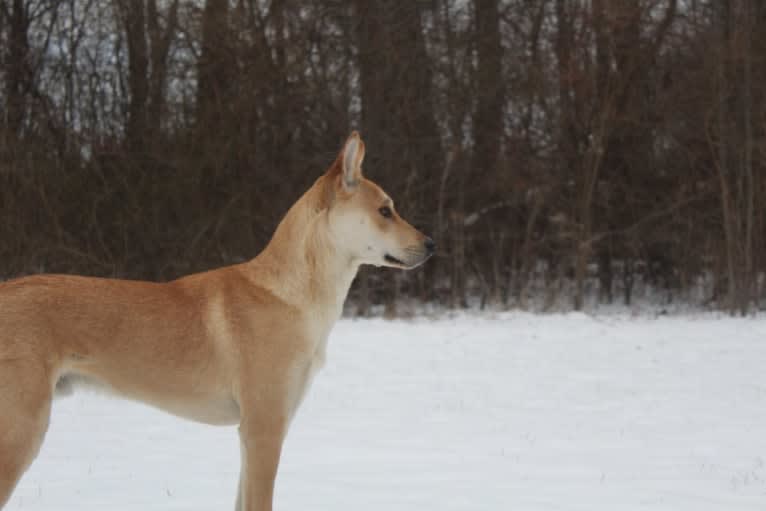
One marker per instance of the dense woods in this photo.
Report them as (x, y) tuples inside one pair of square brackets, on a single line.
[(559, 151)]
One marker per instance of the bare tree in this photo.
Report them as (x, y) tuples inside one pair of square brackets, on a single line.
[(552, 147)]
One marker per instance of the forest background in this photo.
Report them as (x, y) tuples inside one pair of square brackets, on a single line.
[(561, 152)]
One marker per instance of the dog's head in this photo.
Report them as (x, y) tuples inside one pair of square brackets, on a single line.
[(363, 219)]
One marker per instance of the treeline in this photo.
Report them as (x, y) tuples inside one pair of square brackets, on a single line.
[(557, 147)]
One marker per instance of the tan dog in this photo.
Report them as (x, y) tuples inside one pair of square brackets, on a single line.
[(237, 345)]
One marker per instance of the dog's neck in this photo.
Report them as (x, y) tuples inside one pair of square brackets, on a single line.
[(301, 264)]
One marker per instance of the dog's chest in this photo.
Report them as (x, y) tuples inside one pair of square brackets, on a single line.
[(322, 326), (314, 362), (319, 357)]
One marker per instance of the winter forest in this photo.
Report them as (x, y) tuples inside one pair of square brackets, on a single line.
[(560, 152)]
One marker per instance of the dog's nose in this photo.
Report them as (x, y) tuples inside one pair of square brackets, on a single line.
[(430, 245)]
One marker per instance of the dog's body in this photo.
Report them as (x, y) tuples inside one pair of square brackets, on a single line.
[(236, 345)]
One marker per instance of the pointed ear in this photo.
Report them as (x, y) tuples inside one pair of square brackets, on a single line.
[(353, 154)]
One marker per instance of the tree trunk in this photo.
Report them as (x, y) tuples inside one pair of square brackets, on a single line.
[(215, 66), (488, 116), (17, 72), (138, 74)]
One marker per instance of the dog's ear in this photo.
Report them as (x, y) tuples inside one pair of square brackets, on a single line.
[(351, 161)]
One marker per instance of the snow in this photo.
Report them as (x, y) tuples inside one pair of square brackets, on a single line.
[(494, 412)]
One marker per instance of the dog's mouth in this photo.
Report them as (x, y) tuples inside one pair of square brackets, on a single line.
[(393, 260), (406, 265)]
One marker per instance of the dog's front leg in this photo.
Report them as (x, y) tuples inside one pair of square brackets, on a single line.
[(238, 503), (261, 444)]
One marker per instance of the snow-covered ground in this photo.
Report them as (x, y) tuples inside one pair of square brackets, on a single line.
[(514, 411)]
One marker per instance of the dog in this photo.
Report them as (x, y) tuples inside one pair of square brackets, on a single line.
[(235, 345)]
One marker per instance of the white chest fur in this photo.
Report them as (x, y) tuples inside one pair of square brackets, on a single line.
[(308, 369)]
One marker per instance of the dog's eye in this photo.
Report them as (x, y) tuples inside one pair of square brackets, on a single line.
[(385, 211)]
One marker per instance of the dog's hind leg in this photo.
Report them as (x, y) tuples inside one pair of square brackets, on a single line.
[(25, 404)]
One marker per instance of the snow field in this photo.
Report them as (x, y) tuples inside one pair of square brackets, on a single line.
[(510, 411)]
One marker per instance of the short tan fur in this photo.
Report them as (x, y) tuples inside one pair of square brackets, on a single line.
[(235, 345)]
